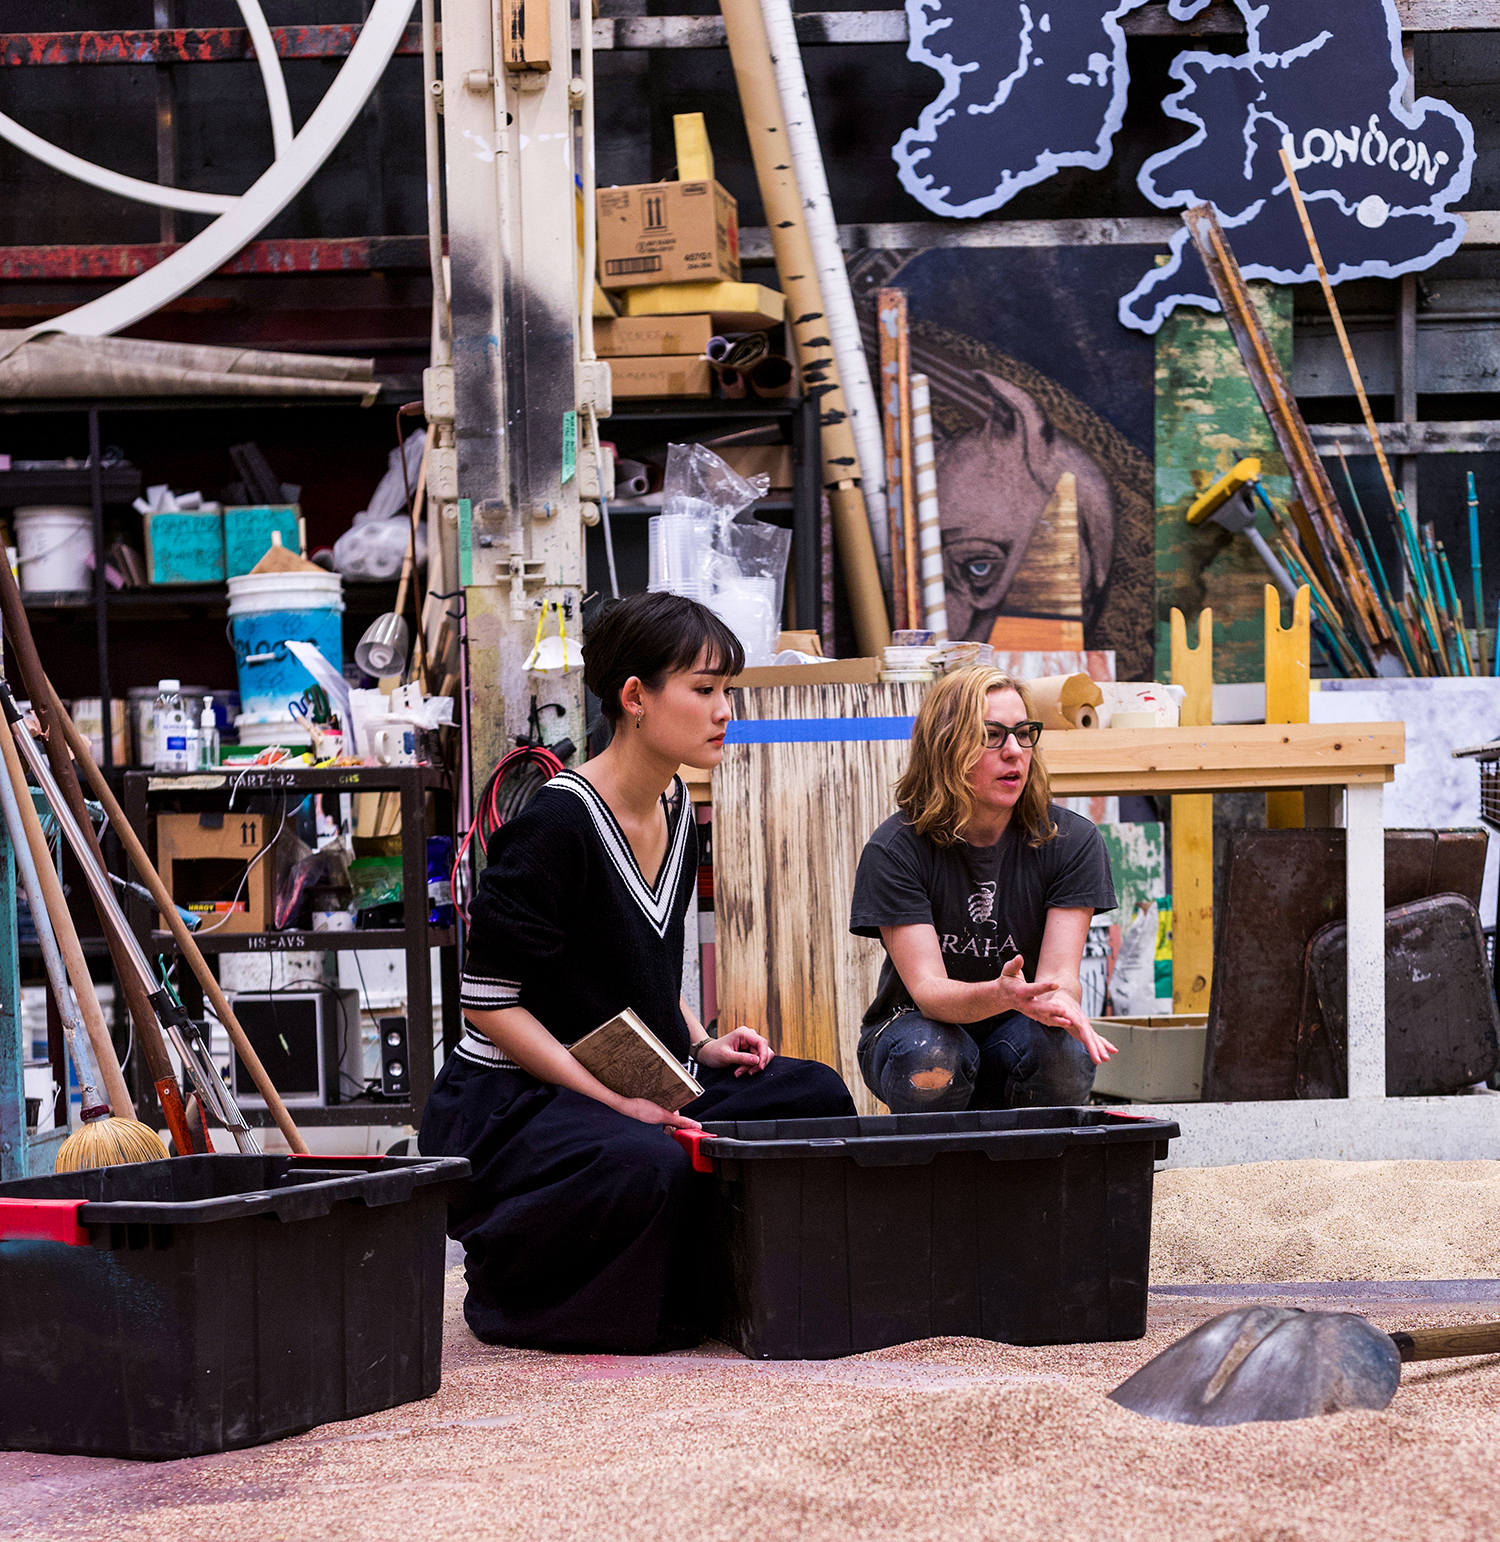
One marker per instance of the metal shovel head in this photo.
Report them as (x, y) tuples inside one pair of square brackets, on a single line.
[(1265, 1363)]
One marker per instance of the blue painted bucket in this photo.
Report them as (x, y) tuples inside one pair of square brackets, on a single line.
[(267, 609)]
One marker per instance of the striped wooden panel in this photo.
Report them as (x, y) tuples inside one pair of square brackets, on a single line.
[(790, 821)]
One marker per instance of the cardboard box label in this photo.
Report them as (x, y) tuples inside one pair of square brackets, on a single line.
[(637, 336), (663, 375), (667, 232)]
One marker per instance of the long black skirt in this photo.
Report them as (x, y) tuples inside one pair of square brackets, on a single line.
[(581, 1227)]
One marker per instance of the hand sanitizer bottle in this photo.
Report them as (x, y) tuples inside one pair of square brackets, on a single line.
[(176, 733), (208, 737)]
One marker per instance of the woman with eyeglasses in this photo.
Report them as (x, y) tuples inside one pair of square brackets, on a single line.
[(982, 891)]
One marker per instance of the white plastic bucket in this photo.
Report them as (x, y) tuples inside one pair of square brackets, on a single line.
[(55, 547), (252, 593), (265, 610)]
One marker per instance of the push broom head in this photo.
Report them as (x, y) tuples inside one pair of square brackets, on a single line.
[(105, 1141)]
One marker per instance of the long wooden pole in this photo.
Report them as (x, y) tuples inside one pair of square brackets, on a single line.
[(148, 1030), (890, 314), (1338, 325), (190, 950), (114, 1087), (908, 473), (765, 124)]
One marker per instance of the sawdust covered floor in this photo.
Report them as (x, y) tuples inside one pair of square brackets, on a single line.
[(946, 1439)]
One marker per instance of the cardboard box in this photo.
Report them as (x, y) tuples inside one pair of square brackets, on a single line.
[(661, 375), (731, 307), (247, 533), (752, 460), (667, 233), (634, 337), (832, 672), (184, 548), (203, 858), (1160, 1059)]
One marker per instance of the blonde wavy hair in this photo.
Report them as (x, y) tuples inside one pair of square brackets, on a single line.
[(946, 745)]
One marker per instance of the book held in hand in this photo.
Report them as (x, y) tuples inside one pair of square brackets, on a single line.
[(629, 1059)]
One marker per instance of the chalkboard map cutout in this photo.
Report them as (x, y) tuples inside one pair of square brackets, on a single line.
[(1030, 91), (1043, 86), (1341, 106)]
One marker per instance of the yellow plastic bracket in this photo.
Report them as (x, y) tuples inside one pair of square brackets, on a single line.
[(1288, 652), (1193, 829)]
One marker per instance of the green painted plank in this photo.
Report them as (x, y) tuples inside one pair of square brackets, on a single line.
[(1207, 418)]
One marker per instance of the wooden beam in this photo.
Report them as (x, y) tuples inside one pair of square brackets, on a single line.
[(1474, 438), (355, 254), (1222, 758), (1146, 230)]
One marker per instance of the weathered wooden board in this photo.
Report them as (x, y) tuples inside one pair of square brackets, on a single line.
[(1207, 418), (790, 821)]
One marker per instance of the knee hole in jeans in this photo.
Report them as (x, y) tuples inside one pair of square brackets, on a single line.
[(928, 1081)]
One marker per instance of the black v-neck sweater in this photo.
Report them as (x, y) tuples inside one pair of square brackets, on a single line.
[(563, 923)]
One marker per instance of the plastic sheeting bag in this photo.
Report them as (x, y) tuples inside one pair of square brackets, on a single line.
[(732, 562)]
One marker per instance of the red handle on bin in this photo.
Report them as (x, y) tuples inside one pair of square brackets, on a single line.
[(691, 1141), (43, 1220)]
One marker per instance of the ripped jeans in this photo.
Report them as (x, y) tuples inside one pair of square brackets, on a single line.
[(916, 1066)]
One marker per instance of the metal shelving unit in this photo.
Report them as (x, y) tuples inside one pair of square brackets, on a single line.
[(149, 792), (797, 417)]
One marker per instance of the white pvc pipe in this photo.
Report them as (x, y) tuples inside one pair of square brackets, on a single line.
[(589, 177), (270, 74), (112, 181), (833, 274), (249, 214)]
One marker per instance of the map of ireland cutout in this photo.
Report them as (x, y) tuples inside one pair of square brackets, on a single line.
[(1026, 92)]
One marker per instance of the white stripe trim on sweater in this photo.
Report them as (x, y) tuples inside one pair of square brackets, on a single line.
[(657, 905)]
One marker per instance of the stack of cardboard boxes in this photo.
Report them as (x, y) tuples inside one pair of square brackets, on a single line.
[(669, 253)]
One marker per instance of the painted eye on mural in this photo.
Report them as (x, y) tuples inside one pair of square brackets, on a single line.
[(976, 568)]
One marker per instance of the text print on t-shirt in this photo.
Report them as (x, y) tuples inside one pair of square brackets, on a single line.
[(981, 906)]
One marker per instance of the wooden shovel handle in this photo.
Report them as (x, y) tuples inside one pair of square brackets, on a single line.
[(1469, 1338)]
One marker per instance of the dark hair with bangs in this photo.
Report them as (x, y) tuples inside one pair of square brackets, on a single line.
[(652, 636)]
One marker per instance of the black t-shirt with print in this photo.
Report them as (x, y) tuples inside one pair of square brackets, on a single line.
[(986, 903)]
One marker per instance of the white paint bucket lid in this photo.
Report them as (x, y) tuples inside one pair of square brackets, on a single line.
[(254, 592)]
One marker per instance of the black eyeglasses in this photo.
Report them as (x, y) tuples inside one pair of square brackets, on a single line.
[(1026, 734)]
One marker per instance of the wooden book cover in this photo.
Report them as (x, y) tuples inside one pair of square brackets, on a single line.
[(629, 1059)]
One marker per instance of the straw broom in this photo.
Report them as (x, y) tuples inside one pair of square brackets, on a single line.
[(107, 1138)]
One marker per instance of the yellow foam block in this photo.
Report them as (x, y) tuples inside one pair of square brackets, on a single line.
[(734, 307)]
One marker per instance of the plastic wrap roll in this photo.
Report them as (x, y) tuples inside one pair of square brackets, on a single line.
[(1061, 701)]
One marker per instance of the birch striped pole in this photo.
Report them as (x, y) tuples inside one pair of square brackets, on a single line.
[(929, 531)]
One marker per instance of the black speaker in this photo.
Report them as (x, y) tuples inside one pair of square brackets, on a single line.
[(395, 1065)]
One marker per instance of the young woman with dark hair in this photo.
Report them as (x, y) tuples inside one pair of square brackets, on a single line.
[(581, 1218), (982, 891)]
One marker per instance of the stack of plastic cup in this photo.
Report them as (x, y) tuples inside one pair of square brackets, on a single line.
[(680, 549), (747, 606)]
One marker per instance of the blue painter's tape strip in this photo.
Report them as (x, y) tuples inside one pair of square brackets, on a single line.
[(818, 730)]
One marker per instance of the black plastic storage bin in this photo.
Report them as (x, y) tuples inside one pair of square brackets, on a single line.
[(1028, 1226), (211, 1302)]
